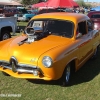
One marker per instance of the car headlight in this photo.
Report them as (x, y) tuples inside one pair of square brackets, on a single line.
[(95, 26), (47, 61)]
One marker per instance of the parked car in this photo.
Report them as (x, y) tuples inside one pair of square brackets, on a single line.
[(95, 17), (52, 47), (35, 11), (23, 15), (8, 27), (8, 12)]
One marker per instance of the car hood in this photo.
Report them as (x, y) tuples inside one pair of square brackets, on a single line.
[(29, 52)]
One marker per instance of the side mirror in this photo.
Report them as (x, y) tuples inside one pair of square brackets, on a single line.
[(79, 35)]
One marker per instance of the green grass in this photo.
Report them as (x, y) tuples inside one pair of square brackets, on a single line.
[(22, 23), (85, 85)]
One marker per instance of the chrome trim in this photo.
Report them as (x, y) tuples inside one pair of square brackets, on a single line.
[(21, 70), (18, 64), (13, 58), (15, 67), (3, 61), (26, 65), (13, 62), (6, 67), (24, 70)]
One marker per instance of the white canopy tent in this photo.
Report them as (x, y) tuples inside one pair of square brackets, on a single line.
[(9, 2)]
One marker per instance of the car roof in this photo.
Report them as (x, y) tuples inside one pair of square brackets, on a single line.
[(74, 17), (93, 12)]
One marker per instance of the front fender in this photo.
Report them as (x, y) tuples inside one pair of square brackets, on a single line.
[(9, 22), (61, 56)]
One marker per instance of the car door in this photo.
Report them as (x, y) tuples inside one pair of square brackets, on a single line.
[(85, 45)]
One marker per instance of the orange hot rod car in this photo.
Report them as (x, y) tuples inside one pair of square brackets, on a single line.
[(53, 46)]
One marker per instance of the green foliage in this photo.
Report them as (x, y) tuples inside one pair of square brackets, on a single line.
[(83, 4), (89, 5), (29, 2)]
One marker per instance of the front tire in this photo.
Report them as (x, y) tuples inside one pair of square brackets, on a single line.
[(5, 35), (95, 53), (65, 80)]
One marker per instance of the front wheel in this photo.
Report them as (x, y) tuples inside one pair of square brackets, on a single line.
[(65, 80), (5, 35), (95, 53)]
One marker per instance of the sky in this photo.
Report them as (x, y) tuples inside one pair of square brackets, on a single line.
[(92, 0)]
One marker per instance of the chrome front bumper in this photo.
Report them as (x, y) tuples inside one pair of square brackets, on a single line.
[(21, 68)]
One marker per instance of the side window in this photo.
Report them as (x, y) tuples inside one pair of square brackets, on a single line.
[(89, 25), (82, 27)]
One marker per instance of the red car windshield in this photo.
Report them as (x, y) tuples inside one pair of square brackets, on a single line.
[(95, 16)]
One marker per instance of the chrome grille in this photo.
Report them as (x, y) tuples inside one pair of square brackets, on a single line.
[(21, 68)]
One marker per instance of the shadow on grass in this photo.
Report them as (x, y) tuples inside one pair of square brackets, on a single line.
[(85, 74)]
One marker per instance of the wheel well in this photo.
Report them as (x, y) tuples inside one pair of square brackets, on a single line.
[(72, 63), (73, 67), (8, 28)]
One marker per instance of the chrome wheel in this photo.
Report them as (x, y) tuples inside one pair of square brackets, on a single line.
[(67, 74), (95, 53), (65, 80)]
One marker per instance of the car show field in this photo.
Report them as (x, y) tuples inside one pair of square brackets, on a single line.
[(50, 50)]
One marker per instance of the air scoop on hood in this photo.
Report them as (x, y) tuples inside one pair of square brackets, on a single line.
[(33, 34)]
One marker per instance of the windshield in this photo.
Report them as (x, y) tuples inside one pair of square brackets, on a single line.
[(95, 16), (53, 26), (22, 11)]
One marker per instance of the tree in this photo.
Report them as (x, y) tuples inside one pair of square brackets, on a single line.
[(29, 2), (81, 3)]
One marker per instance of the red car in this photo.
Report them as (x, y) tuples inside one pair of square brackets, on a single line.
[(95, 17)]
